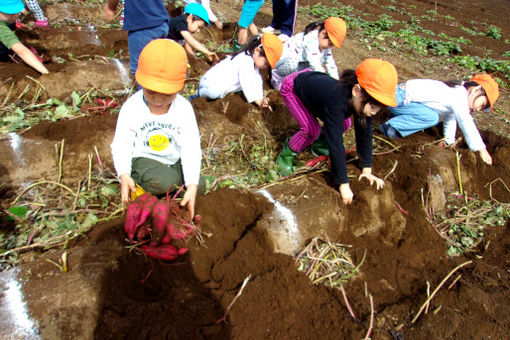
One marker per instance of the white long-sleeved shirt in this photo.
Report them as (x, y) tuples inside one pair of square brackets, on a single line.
[(165, 138), (307, 48), (233, 75), (449, 102)]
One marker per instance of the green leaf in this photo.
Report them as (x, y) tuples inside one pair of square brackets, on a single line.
[(110, 190), (61, 112), (18, 211), (76, 100), (90, 220), (54, 101)]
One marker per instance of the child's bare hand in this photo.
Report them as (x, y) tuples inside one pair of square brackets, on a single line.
[(346, 193), (367, 173), (213, 57), (485, 156), (189, 198), (265, 104), (127, 185), (108, 13)]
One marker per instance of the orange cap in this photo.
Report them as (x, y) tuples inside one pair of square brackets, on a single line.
[(489, 85), (379, 78), (337, 30), (273, 48), (162, 66)]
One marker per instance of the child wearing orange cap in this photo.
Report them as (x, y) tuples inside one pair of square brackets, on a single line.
[(310, 96), (9, 42), (157, 141), (421, 103), (240, 72), (311, 49)]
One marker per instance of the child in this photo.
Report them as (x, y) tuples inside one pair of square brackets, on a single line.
[(284, 18), (250, 9), (182, 27), (207, 5), (157, 142), (421, 102), (40, 19), (311, 49), (144, 20), (362, 94), (9, 12), (240, 72)]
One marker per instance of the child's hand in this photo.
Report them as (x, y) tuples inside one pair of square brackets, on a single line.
[(346, 193), (213, 57), (265, 104), (367, 173), (485, 156), (108, 13), (127, 185), (189, 198)]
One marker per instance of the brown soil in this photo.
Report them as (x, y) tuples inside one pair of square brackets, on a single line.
[(134, 297)]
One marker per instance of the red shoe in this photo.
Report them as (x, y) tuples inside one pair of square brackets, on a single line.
[(41, 23), (20, 25)]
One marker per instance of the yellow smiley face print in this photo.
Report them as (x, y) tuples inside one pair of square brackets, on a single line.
[(158, 142)]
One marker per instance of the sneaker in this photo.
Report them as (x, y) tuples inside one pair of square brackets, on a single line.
[(388, 130), (41, 23), (283, 37), (270, 29), (20, 25)]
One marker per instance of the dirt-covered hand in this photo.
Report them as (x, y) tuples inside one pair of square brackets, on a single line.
[(108, 13), (189, 198), (127, 185), (367, 173), (213, 57), (346, 193), (485, 156)]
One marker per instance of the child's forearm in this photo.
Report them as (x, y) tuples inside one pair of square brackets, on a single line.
[(29, 58), (196, 44)]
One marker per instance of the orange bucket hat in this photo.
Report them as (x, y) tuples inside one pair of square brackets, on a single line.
[(273, 48), (490, 86), (379, 78), (162, 66), (337, 30)]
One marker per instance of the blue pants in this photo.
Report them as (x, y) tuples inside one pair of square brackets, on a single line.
[(138, 39), (250, 9), (284, 16), (412, 117)]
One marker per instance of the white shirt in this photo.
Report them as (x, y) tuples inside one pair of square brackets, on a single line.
[(165, 138), (233, 75), (449, 102), (307, 48)]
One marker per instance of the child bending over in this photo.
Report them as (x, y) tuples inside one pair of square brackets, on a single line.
[(240, 72), (182, 28), (421, 103), (310, 96), (311, 49), (9, 42)]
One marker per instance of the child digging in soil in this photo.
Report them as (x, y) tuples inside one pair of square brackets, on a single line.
[(40, 19), (157, 141), (9, 42), (421, 103), (311, 49), (240, 72), (182, 27), (361, 94), (207, 5)]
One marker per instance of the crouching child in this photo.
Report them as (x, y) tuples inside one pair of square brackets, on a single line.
[(157, 141)]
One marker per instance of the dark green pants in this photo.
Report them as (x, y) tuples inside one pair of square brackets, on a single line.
[(156, 177)]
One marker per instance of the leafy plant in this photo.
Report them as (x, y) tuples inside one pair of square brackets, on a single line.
[(494, 32)]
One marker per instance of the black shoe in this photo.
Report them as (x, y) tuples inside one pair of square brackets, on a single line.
[(388, 130)]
